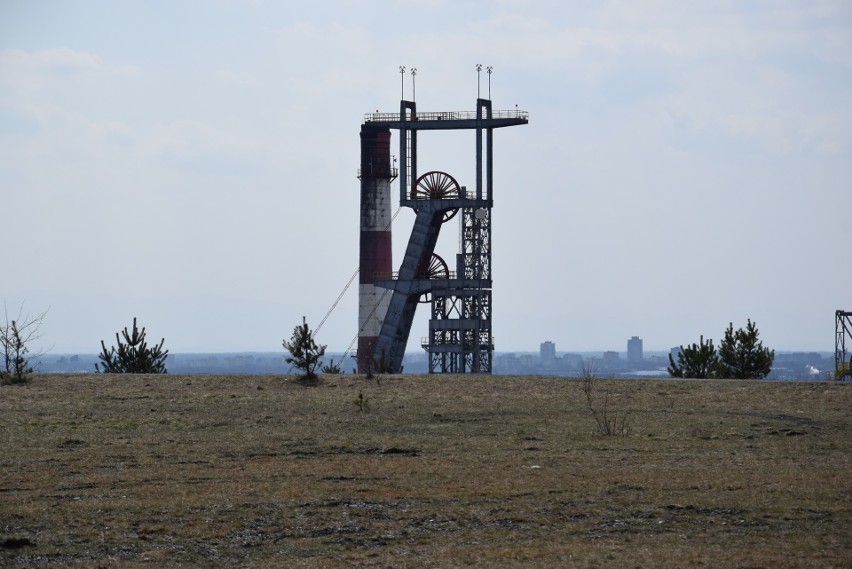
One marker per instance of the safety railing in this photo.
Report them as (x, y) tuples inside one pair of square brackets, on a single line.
[(392, 172), (424, 342), (394, 276), (446, 116)]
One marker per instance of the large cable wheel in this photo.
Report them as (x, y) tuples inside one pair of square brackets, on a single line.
[(432, 267), (436, 185)]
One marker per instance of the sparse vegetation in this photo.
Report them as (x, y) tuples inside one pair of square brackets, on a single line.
[(16, 338), (362, 402), (305, 353), (377, 365), (610, 421), (210, 471), (133, 354)]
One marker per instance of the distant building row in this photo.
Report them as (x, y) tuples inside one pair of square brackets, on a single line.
[(547, 351)]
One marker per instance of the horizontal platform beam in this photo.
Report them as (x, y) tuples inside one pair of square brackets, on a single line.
[(459, 124), (454, 287), (445, 204), (455, 120)]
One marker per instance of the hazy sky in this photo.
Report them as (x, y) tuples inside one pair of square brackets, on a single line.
[(193, 163)]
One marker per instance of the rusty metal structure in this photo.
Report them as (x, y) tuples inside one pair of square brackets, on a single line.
[(460, 337), (842, 329)]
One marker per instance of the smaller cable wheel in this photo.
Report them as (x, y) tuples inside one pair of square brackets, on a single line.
[(432, 267)]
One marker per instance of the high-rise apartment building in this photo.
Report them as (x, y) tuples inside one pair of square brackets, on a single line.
[(547, 352), (634, 349)]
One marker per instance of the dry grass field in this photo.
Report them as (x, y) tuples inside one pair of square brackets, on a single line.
[(422, 471)]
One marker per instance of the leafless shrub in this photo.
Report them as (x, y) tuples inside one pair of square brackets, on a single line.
[(611, 422), (378, 365)]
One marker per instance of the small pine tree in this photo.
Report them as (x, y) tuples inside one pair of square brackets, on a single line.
[(742, 355), (15, 338), (305, 353), (18, 368), (133, 355), (697, 361)]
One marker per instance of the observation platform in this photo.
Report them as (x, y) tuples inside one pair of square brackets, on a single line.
[(454, 120)]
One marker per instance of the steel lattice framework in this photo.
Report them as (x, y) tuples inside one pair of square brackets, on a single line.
[(460, 338), (842, 329)]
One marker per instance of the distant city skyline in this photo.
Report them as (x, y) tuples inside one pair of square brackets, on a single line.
[(798, 365)]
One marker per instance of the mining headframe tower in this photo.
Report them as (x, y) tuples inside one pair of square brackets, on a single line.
[(459, 296)]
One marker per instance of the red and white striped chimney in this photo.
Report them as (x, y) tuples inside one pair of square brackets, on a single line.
[(375, 247)]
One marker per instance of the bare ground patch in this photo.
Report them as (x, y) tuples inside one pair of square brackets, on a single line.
[(217, 471)]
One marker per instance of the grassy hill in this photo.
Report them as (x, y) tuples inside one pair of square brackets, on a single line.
[(420, 471)]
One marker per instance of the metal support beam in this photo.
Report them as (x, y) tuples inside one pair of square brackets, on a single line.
[(842, 329), (407, 148)]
